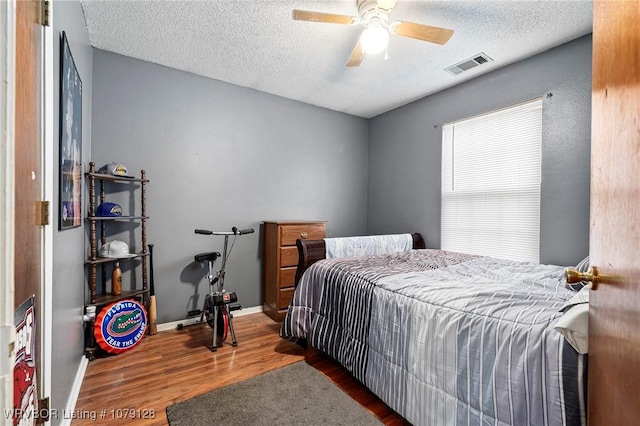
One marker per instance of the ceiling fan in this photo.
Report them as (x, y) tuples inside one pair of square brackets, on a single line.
[(374, 15)]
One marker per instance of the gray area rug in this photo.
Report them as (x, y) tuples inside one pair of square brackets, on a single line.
[(297, 394)]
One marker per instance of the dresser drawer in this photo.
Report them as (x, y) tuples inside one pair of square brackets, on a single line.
[(288, 256), (290, 233), (287, 277), (286, 295)]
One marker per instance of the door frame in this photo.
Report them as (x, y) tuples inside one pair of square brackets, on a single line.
[(49, 152)]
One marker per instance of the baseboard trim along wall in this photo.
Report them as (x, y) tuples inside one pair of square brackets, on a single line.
[(189, 321), (69, 411)]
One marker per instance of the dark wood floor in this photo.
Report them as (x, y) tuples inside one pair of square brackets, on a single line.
[(176, 365)]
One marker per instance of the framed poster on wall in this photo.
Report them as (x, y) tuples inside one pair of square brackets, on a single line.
[(70, 212)]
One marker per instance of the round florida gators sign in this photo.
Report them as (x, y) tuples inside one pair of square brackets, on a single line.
[(120, 326)]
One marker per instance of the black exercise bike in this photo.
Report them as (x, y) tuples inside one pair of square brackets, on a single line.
[(219, 303)]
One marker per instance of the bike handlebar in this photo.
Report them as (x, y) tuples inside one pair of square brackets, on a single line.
[(234, 231), (242, 231)]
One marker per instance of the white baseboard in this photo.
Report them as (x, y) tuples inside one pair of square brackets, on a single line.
[(75, 392), (174, 324)]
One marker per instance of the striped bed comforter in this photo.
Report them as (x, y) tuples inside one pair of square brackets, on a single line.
[(446, 338)]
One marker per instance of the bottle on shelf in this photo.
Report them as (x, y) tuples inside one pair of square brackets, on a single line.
[(116, 280)]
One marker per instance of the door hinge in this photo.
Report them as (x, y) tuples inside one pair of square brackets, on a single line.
[(43, 411), (46, 13), (42, 213)]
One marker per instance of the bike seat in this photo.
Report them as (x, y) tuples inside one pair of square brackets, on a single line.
[(203, 257)]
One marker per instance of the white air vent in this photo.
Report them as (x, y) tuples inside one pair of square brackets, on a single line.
[(467, 64)]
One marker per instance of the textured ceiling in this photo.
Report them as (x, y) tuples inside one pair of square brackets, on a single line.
[(256, 44)]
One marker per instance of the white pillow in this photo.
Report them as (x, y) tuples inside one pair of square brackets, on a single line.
[(367, 245), (574, 323)]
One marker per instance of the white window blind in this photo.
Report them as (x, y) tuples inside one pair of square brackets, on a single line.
[(491, 183)]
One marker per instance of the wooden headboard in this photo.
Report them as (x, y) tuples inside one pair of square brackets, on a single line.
[(310, 251)]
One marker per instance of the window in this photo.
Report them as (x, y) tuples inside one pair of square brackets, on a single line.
[(491, 183)]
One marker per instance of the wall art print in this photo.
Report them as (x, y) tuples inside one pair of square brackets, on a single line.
[(70, 213)]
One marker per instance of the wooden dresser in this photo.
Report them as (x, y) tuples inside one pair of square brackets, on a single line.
[(280, 260)]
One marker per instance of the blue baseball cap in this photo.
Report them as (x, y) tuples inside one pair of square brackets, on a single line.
[(109, 210)]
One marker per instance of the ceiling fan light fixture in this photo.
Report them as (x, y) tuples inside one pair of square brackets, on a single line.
[(374, 16), (374, 39)]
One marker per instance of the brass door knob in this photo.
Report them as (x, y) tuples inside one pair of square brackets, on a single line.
[(572, 276), (304, 235)]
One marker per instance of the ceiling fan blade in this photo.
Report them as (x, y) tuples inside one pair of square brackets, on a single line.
[(386, 5), (331, 18), (421, 32), (357, 55)]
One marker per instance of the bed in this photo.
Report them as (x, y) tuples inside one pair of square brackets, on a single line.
[(443, 338)]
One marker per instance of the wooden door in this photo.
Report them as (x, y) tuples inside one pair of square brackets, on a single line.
[(28, 165), (614, 317)]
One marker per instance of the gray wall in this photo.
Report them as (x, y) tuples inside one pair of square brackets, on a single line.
[(68, 246), (405, 149), (217, 156)]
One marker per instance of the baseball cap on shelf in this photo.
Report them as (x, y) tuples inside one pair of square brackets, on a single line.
[(109, 210), (115, 249), (115, 169)]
